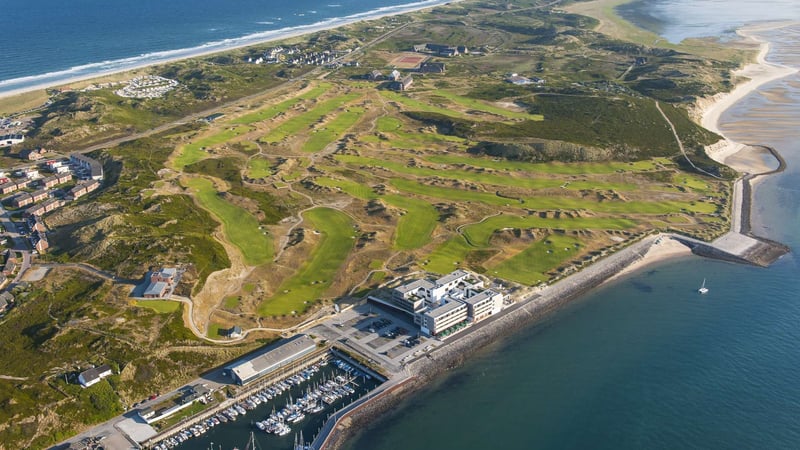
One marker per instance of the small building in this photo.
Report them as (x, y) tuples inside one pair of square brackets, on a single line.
[(235, 332), (432, 67), (403, 84), (375, 75), (39, 241), (21, 200), (7, 140), (34, 154), (94, 375), (165, 275), (395, 75)]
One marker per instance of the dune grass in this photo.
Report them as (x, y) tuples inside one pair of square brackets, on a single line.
[(316, 275), (239, 226)]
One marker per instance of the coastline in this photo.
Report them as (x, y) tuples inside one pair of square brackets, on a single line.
[(203, 50), (645, 252), (757, 73)]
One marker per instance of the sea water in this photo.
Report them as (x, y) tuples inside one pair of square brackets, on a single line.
[(646, 362), (51, 41)]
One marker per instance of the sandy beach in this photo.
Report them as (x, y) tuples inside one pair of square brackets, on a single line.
[(758, 74), (247, 41)]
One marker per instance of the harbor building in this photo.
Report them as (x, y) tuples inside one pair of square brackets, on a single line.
[(284, 354)]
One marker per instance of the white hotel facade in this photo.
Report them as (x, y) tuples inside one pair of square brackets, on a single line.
[(436, 305)]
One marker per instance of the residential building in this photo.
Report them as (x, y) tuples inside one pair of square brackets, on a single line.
[(39, 241), (432, 67), (55, 180), (94, 375), (8, 140), (235, 332), (92, 167), (156, 290), (22, 200), (403, 84), (83, 188), (34, 154), (165, 275)]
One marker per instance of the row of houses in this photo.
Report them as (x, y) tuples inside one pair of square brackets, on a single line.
[(83, 188), (438, 305)]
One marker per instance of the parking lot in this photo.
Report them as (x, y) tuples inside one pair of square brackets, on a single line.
[(389, 336)]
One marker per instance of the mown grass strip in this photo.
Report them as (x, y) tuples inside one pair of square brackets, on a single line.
[(304, 121), (530, 265), (554, 168), (479, 105), (239, 226), (159, 306), (333, 130), (194, 152), (316, 275), (273, 111), (414, 228), (495, 179)]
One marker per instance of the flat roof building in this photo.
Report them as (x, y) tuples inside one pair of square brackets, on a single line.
[(443, 317), (282, 355)]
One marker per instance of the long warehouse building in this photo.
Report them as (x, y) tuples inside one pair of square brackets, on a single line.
[(253, 367)]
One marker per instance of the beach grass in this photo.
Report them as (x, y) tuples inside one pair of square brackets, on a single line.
[(239, 226), (298, 292)]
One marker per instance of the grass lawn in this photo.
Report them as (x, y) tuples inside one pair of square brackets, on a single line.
[(240, 227), (194, 152), (418, 105), (553, 203), (414, 228), (555, 168), (315, 276), (448, 256), (530, 265), (478, 234), (159, 306), (472, 103), (214, 331), (303, 122), (272, 111), (333, 130), (231, 302), (259, 167), (485, 178)]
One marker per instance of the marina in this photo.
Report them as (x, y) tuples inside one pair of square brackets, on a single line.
[(279, 412)]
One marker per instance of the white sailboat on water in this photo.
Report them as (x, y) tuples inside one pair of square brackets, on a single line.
[(703, 289)]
